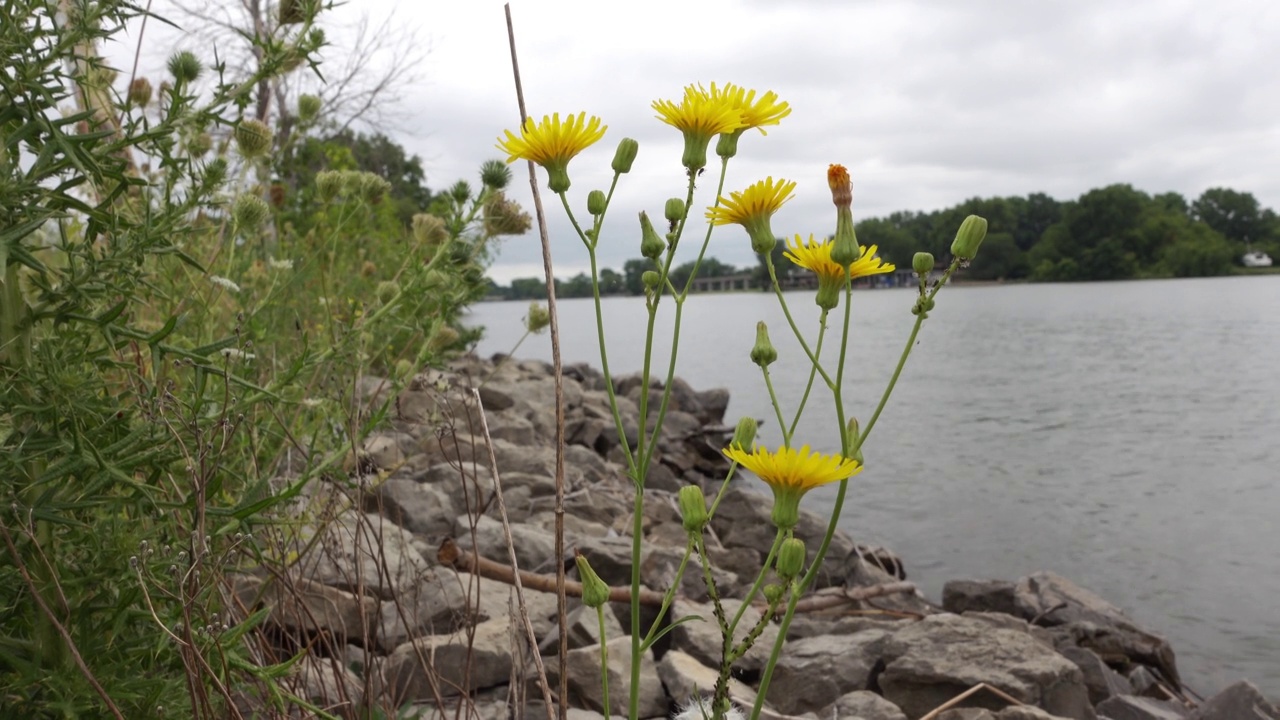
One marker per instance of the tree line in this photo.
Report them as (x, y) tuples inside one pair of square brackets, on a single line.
[(1112, 233)]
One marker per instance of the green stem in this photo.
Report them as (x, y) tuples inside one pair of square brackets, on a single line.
[(777, 409), (669, 596), (777, 290), (604, 661), (813, 373), (755, 588)]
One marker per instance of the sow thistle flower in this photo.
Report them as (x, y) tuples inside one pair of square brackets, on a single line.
[(553, 143), (752, 208), (815, 255), (699, 115), (755, 114), (791, 473)]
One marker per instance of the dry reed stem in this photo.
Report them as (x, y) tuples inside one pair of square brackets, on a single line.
[(968, 693), (562, 605)]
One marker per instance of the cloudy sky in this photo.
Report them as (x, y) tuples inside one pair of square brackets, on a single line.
[(926, 102)]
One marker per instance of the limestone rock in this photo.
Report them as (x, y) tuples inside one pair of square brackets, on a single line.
[(308, 606), (535, 549), (931, 661), (686, 678), (362, 553), (815, 672), (454, 664), (418, 508), (585, 690), (1102, 681), (960, 596), (1133, 707), (702, 639), (1241, 700), (863, 704), (435, 605)]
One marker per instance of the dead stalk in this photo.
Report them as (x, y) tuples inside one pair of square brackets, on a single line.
[(559, 383)]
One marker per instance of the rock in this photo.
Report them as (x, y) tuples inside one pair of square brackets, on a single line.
[(1238, 701), (327, 684), (686, 679), (931, 661), (1133, 707), (362, 553), (863, 704), (583, 631), (513, 429), (421, 509), (702, 639), (1101, 681), (435, 605), (714, 404), (584, 680), (815, 672), (447, 663), (383, 451), (1013, 712), (1142, 680), (960, 596), (1096, 624), (743, 520), (462, 483), (308, 606), (1010, 622), (537, 484), (535, 549), (493, 600), (495, 400)]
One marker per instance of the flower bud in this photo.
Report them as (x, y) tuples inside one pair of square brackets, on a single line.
[(744, 435), (651, 279), (651, 244), (693, 508), (215, 172), (625, 155), (443, 337), (253, 138), (790, 558), (184, 66), (387, 291), (308, 107), (763, 353), (140, 91), (200, 144), (969, 237), (923, 305), (248, 211), (428, 229), (674, 211), (773, 593), (922, 263), (373, 188), (537, 319), (595, 593), (852, 433), (596, 202)]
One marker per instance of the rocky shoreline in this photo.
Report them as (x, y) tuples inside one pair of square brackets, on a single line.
[(386, 611)]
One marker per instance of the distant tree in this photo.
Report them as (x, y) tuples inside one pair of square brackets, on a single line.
[(1236, 215), (895, 244), (1201, 252), (710, 267), (612, 282), (1035, 215), (578, 286), (1173, 202), (531, 288), (1000, 259)]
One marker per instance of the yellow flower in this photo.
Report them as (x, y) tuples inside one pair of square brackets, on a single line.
[(699, 116), (552, 143), (791, 473), (815, 256), (755, 114), (752, 208)]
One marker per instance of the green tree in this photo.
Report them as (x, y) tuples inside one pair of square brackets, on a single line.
[(1236, 215), (578, 286), (1000, 259), (894, 243), (612, 282), (1199, 253), (1034, 216), (632, 275)]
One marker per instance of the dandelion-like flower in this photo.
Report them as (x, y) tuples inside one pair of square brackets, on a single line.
[(553, 143), (699, 116), (752, 208), (791, 473), (756, 113), (815, 255)]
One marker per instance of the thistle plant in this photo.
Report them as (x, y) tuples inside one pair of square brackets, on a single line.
[(724, 114)]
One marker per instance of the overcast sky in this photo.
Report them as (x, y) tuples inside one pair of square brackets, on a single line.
[(926, 102)]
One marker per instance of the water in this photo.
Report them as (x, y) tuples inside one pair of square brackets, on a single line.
[(1121, 434)]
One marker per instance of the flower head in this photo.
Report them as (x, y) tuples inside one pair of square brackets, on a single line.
[(756, 113), (752, 208), (815, 255), (791, 473), (699, 115), (552, 143)]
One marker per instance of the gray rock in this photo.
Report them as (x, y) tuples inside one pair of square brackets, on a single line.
[(513, 429), (1013, 712), (743, 520), (686, 679), (535, 549), (326, 683), (493, 600), (702, 638), (495, 399), (1096, 624), (931, 661), (362, 553), (1133, 707), (960, 596), (1102, 681), (863, 704), (1236, 702), (421, 509), (714, 404), (815, 672), (584, 680), (453, 663), (435, 605), (308, 606), (1143, 681), (537, 484), (384, 451), (583, 630), (1010, 622)]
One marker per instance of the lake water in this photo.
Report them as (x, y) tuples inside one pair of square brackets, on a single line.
[(1123, 434)]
